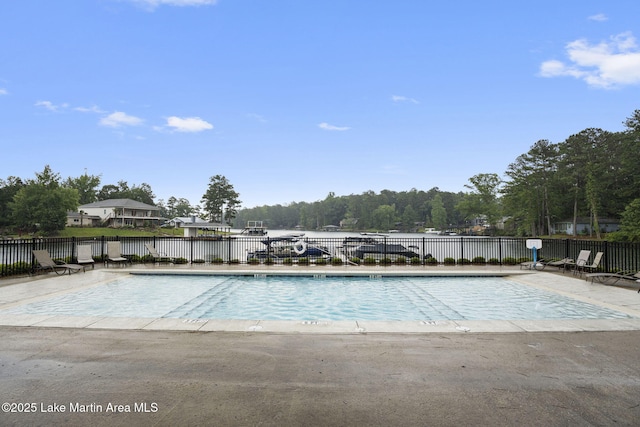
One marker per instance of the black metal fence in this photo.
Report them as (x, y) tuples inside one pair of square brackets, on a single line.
[(16, 256)]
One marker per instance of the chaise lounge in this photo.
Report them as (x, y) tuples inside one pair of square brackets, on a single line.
[(114, 254), (157, 257), (45, 263), (84, 256)]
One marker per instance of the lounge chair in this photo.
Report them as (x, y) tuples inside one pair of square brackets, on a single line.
[(595, 264), (542, 263), (114, 254), (581, 261), (84, 255), (613, 278), (45, 263), (157, 257)]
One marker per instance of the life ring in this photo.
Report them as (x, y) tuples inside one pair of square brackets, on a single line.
[(299, 247)]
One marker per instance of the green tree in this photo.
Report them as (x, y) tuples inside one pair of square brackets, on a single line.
[(438, 213), (180, 208), (384, 217), (221, 201), (528, 195), (8, 189), (630, 223), (586, 161), (43, 203), (483, 199), (87, 187), (141, 193)]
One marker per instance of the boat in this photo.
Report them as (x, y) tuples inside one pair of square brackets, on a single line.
[(370, 247), (290, 246)]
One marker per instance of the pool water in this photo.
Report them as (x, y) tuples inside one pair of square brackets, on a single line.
[(310, 298)]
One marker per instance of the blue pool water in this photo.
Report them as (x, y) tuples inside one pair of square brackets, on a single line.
[(309, 298)]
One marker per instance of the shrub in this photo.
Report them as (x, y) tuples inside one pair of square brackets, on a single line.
[(431, 261), (253, 261), (19, 267), (145, 258), (355, 260), (369, 261), (217, 260), (287, 261), (494, 261), (180, 261), (321, 261), (415, 260), (509, 261), (400, 261), (449, 261), (386, 261), (336, 261), (198, 261), (479, 260), (303, 261), (268, 261), (234, 261), (463, 261)]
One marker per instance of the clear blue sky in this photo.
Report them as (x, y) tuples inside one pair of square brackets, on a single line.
[(293, 99)]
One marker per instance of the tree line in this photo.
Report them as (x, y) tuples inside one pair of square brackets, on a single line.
[(41, 204), (593, 174)]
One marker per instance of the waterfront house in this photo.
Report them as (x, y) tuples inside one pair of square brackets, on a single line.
[(123, 213)]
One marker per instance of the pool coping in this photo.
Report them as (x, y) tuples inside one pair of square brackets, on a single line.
[(621, 299)]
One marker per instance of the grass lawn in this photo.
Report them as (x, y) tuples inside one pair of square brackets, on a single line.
[(125, 232)]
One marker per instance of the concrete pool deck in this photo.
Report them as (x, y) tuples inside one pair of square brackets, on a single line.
[(538, 373)]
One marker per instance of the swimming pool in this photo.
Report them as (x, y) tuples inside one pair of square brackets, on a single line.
[(316, 298)]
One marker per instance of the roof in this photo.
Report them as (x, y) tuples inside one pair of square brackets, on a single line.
[(72, 214), (188, 219), (119, 203)]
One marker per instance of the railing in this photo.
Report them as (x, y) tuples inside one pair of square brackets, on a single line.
[(16, 256)]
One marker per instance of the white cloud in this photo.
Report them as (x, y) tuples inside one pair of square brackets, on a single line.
[(397, 98), (611, 63), (188, 124), (152, 4), (327, 126), (598, 17), (92, 109), (119, 119), (48, 105), (3, 91)]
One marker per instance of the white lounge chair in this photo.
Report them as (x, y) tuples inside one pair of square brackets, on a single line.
[(114, 254), (84, 255)]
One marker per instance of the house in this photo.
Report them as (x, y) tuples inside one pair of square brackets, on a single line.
[(194, 229), (81, 219), (583, 226), (123, 213), (178, 221)]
